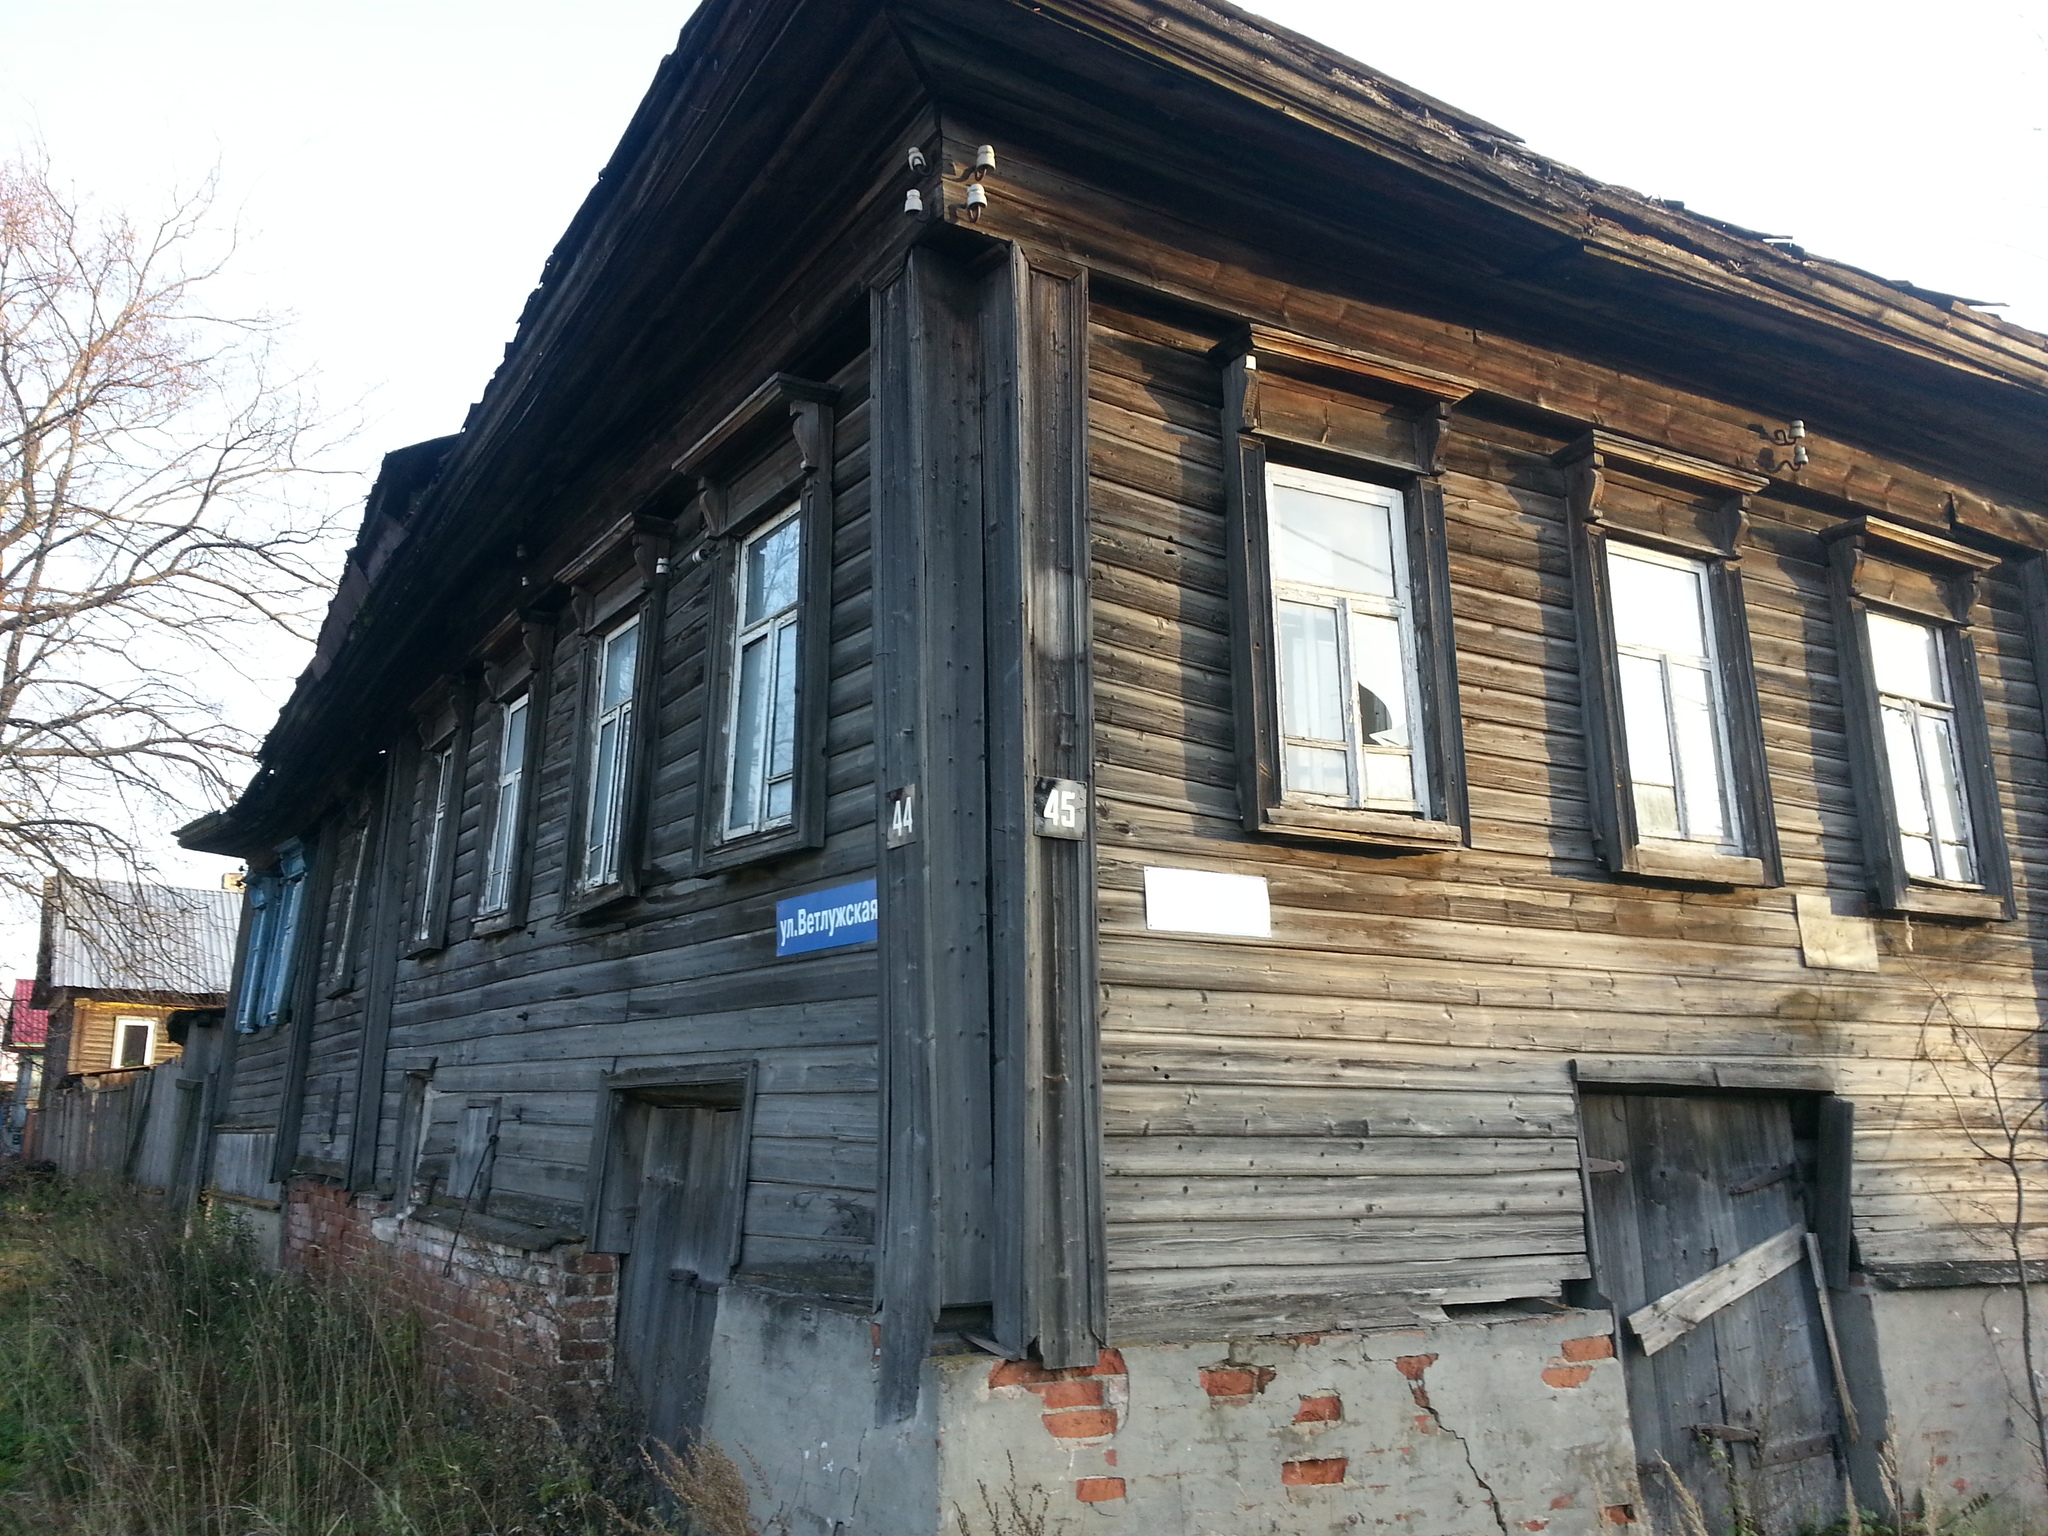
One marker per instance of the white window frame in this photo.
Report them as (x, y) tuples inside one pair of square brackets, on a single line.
[(1733, 839), (501, 854), (1916, 711), (427, 918), (767, 629), (1401, 608), (603, 840), (123, 1022)]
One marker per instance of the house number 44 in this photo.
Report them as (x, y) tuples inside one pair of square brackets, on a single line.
[(1060, 809)]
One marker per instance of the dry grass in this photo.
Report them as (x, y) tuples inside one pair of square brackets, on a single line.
[(159, 1382)]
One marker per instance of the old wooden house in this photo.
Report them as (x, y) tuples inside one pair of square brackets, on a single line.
[(116, 960), (1122, 764)]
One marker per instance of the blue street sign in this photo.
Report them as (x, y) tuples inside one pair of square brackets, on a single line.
[(834, 919)]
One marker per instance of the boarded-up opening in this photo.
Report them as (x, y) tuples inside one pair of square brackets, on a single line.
[(671, 1207), (1701, 1203)]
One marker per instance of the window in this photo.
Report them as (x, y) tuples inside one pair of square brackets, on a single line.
[(1677, 784), (610, 749), (1919, 745), (507, 808), (134, 1041), (1344, 666), (1673, 705), (1343, 614), (1920, 748), (761, 738), (766, 474), (437, 793), (354, 863)]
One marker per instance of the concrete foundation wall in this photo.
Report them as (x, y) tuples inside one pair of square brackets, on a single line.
[(1955, 1393), (1486, 1427)]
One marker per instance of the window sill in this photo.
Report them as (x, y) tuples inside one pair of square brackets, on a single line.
[(599, 902), (1952, 901), (756, 848), (1659, 861), (1376, 829), (495, 924)]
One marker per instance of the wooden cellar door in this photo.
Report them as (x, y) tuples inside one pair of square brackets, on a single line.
[(1741, 1403), (681, 1227)]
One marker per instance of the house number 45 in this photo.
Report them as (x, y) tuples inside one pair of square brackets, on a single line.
[(1060, 809)]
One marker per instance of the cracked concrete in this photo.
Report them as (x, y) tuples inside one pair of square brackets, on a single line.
[(1499, 1427)]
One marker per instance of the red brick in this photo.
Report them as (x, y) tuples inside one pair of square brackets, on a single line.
[(1020, 1373), (1327, 1409), (1562, 1501), (1618, 1514), (1241, 1382), (1069, 1394), (1412, 1366), (1599, 1347), (1081, 1423), (1097, 1490), (1309, 1474), (1566, 1375)]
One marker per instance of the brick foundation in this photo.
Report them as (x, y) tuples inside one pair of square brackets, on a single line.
[(501, 1318)]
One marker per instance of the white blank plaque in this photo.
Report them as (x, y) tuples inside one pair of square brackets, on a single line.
[(1202, 901)]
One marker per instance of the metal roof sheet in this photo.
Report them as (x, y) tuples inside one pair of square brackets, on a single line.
[(111, 935)]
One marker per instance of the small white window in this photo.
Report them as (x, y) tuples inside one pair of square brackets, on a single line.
[(505, 808), (439, 790), (611, 734), (1674, 714), (760, 782), (1910, 663), (1350, 704), (134, 1041)]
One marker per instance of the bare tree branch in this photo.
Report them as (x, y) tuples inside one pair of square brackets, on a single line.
[(151, 523)]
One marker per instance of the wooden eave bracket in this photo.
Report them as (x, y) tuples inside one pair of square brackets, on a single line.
[(1916, 545), (1601, 447), (1283, 352), (781, 396)]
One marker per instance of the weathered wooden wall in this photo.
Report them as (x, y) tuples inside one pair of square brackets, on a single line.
[(1379, 1099), (535, 1017)]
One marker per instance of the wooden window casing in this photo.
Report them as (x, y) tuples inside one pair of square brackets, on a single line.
[(1624, 497), (1890, 571), (444, 716), (516, 691), (766, 467), (619, 588), (611, 725), (1295, 405)]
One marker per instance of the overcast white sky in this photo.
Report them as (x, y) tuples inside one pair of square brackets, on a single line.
[(402, 167)]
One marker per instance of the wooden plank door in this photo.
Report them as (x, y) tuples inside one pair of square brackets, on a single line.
[(1742, 1407), (682, 1227)]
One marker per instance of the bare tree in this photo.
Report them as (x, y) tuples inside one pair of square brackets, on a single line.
[(1991, 1077), (152, 530)]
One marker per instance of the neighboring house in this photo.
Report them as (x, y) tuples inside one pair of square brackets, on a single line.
[(27, 1032), (117, 960), (1121, 762)]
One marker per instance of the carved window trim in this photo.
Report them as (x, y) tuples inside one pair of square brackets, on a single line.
[(1859, 550), (1251, 443), (774, 451), (620, 579), (1712, 535), (523, 675), (440, 788)]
